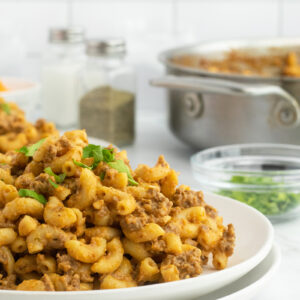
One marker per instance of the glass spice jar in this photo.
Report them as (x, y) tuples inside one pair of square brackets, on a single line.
[(62, 67), (107, 106)]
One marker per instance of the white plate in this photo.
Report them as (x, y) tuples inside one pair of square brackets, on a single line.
[(250, 284), (254, 240), (97, 141)]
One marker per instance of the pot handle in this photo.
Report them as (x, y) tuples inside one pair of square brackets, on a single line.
[(288, 112)]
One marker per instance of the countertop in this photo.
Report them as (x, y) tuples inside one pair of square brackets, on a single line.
[(154, 138)]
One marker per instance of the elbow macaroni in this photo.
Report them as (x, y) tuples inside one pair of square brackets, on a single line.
[(86, 253), (110, 262), (7, 236)]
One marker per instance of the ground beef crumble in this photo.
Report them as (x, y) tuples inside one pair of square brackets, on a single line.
[(172, 227), (227, 241), (70, 282), (48, 283), (18, 163), (24, 181), (68, 265), (42, 185), (156, 247), (63, 146), (72, 184), (153, 209), (210, 211), (50, 154), (8, 283), (187, 198), (188, 263), (12, 123)]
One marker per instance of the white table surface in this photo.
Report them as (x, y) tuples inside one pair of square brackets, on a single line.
[(154, 138)]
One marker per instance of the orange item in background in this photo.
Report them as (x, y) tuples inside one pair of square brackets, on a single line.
[(2, 87)]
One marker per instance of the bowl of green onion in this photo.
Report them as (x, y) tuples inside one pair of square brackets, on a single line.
[(264, 176)]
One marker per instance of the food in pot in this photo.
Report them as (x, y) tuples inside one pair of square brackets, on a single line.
[(75, 216), (292, 67), (16, 131), (269, 202), (243, 63)]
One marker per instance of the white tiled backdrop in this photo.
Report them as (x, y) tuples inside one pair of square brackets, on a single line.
[(149, 26)]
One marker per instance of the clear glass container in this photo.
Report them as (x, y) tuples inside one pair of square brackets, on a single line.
[(264, 176), (62, 67), (107, 106)]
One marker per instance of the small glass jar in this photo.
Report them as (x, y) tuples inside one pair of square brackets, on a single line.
[(264, 176), (107, 106), (62, 67)]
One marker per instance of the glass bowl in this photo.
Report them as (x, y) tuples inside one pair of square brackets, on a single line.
[(265, 176)]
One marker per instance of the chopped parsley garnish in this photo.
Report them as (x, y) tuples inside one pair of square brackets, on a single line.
[(53, 184), (270, 202), (82, 165), (58, 178), (32, 194), (5, 107), (99, 154), (121, 167), (92, 151), (108, 155), (30, 150)]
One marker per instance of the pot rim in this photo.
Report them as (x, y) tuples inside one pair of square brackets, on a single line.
[(164, 57)]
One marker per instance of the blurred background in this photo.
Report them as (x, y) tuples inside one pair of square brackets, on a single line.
[(148, 26)]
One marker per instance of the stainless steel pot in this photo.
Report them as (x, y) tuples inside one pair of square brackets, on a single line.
[(208, 109)]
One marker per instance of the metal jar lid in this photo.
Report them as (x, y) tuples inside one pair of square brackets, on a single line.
[(66, 35), (108, 46)]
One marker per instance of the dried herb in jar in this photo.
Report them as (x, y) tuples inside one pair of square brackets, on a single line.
[(108, 114)]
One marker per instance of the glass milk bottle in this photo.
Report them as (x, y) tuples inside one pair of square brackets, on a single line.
[(62, 67), (107, 106)]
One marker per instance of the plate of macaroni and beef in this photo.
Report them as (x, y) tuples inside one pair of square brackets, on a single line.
[(76, 222)]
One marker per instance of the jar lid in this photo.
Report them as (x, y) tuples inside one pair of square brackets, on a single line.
[(108, 46), (66, 35)]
